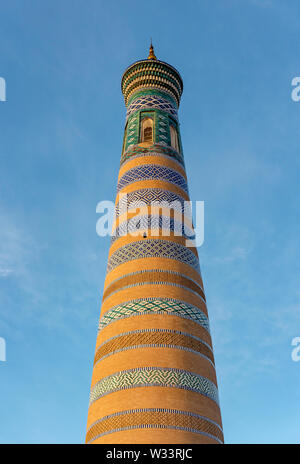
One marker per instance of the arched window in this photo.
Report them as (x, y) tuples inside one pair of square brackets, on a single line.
[(147, 130), (174, 138)]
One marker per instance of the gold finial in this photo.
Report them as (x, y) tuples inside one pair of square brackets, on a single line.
[(151, 53)]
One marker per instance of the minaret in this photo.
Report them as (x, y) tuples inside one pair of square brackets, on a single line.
[(154, 378)]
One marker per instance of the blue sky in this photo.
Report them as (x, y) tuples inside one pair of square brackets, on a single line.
[(61, 134)]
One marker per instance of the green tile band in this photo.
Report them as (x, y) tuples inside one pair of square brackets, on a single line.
[(154, 377)]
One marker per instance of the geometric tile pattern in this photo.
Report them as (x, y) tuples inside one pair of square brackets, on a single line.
[(150, 172), (144, 306), (164, 129), (152, 101), (164, 223), (153, 338), (154, 377), (157, 418), (153, 248), (132, 132), (150, 195), (155, 92)]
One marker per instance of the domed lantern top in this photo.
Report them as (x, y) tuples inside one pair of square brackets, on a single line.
[(151, 73)]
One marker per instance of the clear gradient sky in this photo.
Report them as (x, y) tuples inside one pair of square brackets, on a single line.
[(61, 132)]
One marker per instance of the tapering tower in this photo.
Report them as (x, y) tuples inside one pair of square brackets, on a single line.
[(154, 378)]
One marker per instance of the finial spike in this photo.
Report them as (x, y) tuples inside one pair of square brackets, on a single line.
[(151, 52)]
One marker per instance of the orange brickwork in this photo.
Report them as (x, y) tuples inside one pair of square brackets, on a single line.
[(154, 378)]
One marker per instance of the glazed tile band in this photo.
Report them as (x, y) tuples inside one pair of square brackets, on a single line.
[(145, 224), (150, 102), (153, 248), (163, 306), (133, 199), (151, 92), (151, 172), (154, 377)]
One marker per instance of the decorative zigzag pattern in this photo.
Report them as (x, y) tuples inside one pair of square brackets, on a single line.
[(132, 132), (155, 92), (152, 101), (148, 196), (157, 418), (144, 306), (163, 223), (154, 377), (152, 171), (153, 248)]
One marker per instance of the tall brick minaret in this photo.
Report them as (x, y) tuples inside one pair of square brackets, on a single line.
[(154, 378)]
